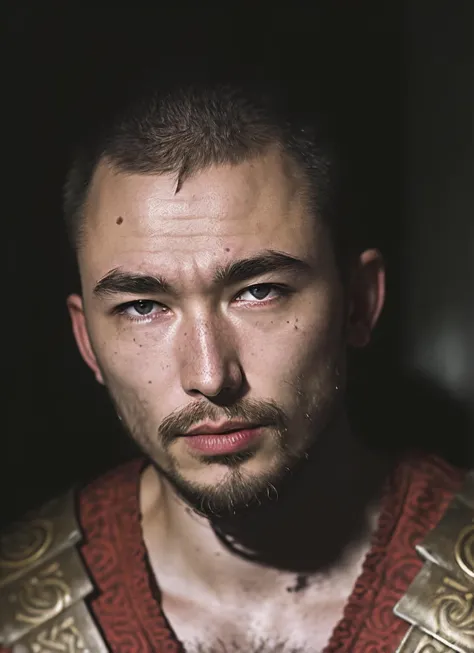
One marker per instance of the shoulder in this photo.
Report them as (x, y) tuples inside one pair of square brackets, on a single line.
[(428, 484), (435, 471), (446, 555), (109, 514), (110, 495), (419, 491), (46, 546)]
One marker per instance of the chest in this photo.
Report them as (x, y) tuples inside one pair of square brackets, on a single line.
[(297, 623)]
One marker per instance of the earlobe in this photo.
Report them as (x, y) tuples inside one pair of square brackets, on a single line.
[(79, 328), (366, 297)]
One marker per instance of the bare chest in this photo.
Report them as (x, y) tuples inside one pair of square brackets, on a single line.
[(297, 623)]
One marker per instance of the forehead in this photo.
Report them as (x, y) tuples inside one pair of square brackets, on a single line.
[(222, 211)]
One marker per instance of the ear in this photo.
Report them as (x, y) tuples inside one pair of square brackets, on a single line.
[(366, 297), (79, 328)]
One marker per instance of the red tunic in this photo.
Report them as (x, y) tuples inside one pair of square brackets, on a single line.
[(128, 610)]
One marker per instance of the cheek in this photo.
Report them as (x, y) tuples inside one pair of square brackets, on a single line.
[(303, 350), (134, 361), (312, 358)]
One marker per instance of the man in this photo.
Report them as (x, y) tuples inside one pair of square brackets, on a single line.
[(220, 292)]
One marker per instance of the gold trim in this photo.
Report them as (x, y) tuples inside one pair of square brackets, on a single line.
[(42, 594), (37, 538), (416, 641), (26, 544), (440, 602), (464, 550), (43, 583), (72, 631)]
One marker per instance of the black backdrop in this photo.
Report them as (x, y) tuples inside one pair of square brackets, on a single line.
[(406, 71)]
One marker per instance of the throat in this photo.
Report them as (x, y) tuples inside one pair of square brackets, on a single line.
[(225, 584), (321, 513), (314, 535)]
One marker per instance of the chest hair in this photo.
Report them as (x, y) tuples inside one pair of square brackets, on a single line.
[(246, 647)]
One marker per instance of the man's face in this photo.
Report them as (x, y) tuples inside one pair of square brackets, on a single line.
[(214, 309)]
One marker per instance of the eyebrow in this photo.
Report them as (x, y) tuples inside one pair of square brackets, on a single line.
[(264, 263), (119, 281)]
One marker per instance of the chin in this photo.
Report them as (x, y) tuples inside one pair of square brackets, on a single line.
[(234, 494), (224, 485)]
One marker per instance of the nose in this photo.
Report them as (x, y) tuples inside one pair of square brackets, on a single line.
[(209, 362)]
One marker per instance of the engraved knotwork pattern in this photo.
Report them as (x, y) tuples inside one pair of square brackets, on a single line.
[(464, 551), (131, 618), (61, 638), (429, 645), (416, 641), (432, 647), (42, 596), (25, 544), (454, 605)]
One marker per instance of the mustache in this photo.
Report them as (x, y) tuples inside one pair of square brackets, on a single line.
[(246, 410)]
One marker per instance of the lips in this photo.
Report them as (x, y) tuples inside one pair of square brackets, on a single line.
[(220, 429), (221, 442)]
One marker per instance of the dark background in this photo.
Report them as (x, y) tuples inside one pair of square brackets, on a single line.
[(403, 72)]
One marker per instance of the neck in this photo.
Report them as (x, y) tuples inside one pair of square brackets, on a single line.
[(322, 512)]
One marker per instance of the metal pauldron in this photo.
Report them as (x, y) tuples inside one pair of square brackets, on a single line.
[(43, 584), (439, 604)]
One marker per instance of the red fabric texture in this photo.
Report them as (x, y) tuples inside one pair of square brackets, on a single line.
[(127, 609)]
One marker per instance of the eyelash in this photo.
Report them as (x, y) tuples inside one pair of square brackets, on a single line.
[(283, 291)]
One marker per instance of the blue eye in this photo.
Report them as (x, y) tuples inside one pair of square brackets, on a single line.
[(140, 309), (261, 292), (143, 306)]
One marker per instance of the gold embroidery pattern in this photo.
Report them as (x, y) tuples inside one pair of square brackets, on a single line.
[(464, 550), (62, 638), (42, 596), (454, 606), (25, 544)]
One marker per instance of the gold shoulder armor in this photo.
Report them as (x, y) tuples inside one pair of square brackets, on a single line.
[(439, 604), (43, 584)]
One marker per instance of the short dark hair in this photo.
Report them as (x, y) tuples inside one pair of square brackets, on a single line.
[(185, 128)]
